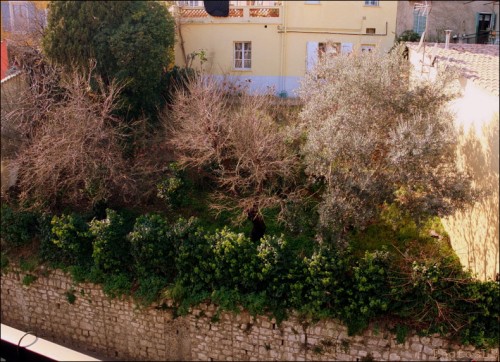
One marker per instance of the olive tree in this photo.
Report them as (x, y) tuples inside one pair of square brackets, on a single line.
[(375, 138)]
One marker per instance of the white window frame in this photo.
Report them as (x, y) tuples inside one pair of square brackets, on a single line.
[(372, 3), (312, 2), (246, 55)]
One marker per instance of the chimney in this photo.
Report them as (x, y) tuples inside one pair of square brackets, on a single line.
[(447, 43)]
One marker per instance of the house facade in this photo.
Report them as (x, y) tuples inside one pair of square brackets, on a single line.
[(269, 45), (474, 232), (473, 22)]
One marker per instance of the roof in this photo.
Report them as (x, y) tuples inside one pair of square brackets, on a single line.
[(477, 62)]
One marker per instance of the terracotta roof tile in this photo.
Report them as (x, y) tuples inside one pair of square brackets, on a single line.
[(478, 62)]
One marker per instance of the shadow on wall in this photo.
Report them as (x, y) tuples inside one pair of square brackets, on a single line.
[(474, 232)]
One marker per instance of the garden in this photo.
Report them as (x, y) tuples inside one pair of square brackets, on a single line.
[(168, 184)]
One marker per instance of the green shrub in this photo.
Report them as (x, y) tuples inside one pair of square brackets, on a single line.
[(28, 279), (28, 265), (150, 289), (154, 244), (235, 264), (49, 251), (111, 249), (116, 285), (176, 79), (5, 262), (283, 275), (174, 188), (367, 297), (71, 234), (194, 262), (408, 35), (323, 288), (17, 227), (479, 304), (70, 296)]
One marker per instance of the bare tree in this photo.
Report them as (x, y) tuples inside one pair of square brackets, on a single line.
[(374, 139), (239, 140), (71, 154)]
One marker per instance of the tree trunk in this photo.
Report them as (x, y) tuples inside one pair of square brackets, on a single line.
[(259, 227)]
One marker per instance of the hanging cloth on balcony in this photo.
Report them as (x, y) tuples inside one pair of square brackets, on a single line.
[(217, 8)]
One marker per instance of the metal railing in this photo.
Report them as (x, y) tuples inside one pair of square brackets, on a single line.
[(483, 37), (244, 14)]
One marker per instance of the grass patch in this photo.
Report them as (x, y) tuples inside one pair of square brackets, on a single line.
[(29, 279)]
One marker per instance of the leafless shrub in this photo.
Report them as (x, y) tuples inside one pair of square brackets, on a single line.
[(376, 139), (237, 139), (72, 154), (30, 107)]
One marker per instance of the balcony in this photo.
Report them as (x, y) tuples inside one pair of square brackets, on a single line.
[(237, 14)]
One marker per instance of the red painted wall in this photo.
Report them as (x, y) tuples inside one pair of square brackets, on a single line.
[(4, 59)]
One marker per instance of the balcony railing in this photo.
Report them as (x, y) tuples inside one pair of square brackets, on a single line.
[(237, 14)]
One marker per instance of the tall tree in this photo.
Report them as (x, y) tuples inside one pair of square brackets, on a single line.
[(375, 138), (132, 42)]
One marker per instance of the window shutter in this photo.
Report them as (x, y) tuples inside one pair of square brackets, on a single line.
[(419, 22), (346, 48), (312, 54), (477, 23), (415, 21)]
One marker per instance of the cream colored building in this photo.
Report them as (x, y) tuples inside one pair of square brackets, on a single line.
[(271, 44), (474, 232)]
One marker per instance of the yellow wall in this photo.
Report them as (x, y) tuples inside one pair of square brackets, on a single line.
[(219, 47), (279, 45), (474, 232)]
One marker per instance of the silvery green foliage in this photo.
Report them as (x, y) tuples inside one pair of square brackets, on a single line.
[(376, 138)]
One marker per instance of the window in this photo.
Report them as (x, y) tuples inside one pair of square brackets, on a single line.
[(419, 20), (316, 51), (368, 48), (243, 55), (19, 16), (370, 30), (371, 3)]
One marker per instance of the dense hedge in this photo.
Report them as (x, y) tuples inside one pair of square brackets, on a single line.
[(151, 256)]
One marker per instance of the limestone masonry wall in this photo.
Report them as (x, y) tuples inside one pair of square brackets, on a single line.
[(116, 329)]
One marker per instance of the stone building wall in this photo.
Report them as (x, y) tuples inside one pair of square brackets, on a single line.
[(117, 329)]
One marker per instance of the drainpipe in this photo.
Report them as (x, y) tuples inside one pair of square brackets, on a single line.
[(447, 42), (283, 48)]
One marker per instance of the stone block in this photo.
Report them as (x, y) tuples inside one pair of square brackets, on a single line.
[(362, 353), (436, 342), (428, 350), (394, 357), (416, 347)]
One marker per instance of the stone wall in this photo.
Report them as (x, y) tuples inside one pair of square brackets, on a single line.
[(116, 329)]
